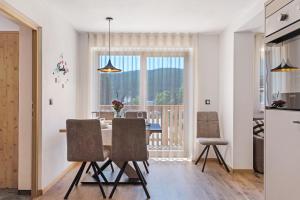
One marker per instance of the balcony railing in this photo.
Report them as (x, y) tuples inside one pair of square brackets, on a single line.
[(171, 119)]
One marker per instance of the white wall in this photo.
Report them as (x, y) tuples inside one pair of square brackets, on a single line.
[(7, 25), (232, 96), (226, 92), (208, 79), (244, 47), (58, 37)]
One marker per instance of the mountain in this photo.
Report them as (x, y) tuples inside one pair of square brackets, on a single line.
[(125, 86)]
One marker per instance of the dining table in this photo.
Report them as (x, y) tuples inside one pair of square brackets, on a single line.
[(107, 141)]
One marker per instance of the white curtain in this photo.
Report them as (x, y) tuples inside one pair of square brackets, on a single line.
[(93, 43)]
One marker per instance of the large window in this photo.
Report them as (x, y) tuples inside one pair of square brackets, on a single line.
[(153, 82), (162, 75)]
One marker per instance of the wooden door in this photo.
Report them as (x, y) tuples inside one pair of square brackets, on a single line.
[(9, 109)]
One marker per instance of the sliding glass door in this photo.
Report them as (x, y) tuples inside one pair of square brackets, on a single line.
[(154, 82)]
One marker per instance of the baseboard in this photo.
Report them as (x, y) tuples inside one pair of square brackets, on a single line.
[(59, 177), (24, 192), (242, 170)]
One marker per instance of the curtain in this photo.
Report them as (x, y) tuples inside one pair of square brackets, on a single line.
[(164, 51)]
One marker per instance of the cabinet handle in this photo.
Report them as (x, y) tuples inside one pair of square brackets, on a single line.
[(283, 17), (296, 122)]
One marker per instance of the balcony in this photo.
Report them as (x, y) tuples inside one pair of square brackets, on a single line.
[(171, 119)]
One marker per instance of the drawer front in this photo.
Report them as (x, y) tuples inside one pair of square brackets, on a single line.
[(275, 5), (283, 17)]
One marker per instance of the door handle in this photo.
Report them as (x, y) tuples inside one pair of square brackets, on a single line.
[(296, 122)]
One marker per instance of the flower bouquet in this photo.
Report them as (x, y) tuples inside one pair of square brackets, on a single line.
[(117, 106)]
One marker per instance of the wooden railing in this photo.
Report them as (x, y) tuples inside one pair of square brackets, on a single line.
[(171, 119)]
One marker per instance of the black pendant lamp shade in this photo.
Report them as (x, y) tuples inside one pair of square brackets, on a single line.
[(284, 67), (109, 67)]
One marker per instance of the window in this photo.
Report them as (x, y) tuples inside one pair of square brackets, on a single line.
[(165, 80), (262, 78), (260, 75), (124, 85), (150, 81), (163, 75)]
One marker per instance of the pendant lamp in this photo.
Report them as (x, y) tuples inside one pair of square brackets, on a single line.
[(109, 67)]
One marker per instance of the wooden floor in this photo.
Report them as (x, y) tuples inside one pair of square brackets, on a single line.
[(174, 180)]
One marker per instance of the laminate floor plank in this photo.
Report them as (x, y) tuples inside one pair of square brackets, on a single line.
[(173, 180)]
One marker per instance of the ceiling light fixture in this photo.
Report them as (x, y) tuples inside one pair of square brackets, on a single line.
[(109, 67)]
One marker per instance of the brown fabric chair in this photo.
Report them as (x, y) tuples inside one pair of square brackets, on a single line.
[(129, 144), (84, 144), (134, 115), (108, 115), (208, 134)]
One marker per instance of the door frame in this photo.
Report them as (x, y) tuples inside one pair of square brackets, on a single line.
[(19, 18)]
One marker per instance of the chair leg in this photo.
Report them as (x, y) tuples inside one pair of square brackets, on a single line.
[(112, 167), (118, 179), (79, 176), (205, 158), (103, 167), (141, 178), (147, 163), (88, 169), (99, 171), (139, 171), (75, 179), (199, 158), (146, 168), (225, 165), (217, 155), (98, 180)]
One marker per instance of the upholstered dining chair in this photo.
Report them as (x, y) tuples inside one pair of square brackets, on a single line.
[(84, 144), (208, 134), (134, 115), (129, 145), (108, 115)]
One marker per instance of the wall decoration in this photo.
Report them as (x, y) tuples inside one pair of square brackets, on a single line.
[(61, 72)]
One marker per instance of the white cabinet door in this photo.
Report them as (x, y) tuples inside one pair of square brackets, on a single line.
[(282, 154)]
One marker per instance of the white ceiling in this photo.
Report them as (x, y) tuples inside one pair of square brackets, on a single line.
[(152, 15)]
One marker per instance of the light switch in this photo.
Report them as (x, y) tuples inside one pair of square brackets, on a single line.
[(50, 102), (207, 101)]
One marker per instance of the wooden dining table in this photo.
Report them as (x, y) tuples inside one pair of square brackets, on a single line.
[(107, 141)]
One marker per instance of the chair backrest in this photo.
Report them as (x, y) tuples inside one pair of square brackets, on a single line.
[(129, 140), (84, 140), (134, 114), (108, 115), (208, 125)]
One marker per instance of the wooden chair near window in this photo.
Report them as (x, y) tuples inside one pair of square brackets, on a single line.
[(208, 134), (84, 144), (129, 145)]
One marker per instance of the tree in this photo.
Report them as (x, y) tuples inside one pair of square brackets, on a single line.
[(163, 98)]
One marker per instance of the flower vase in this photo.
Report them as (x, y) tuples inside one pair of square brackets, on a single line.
[(118, 114)]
